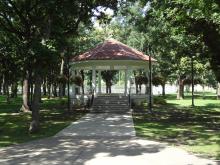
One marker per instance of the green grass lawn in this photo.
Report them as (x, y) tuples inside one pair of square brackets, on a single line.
[(196, 129), (14, 126)]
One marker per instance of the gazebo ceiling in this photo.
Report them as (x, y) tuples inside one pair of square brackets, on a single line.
[(111, 50)]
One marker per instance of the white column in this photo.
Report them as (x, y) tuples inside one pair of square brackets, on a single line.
[(126, 81), (129, 79), (94, 79), (100, 88)]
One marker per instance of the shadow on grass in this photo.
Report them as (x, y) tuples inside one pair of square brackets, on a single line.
[(188, 126), (14, 126), (197, 95)]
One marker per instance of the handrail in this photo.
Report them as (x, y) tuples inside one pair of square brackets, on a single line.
[(92, 99), (129, 97)]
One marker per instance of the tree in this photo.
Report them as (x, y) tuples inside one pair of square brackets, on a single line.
[(109, 77), (35, 23), (10, 65), (198, 18), (169, 35)]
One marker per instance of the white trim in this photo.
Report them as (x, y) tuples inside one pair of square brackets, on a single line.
[(110, 64)]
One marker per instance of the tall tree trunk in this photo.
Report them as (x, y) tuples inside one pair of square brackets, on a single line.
[(83, 78), (7, 92), (35, 123), (106, 88), (0, 85), (203, 91), (14, 90), (55, 90), (4, 89), (140, 88), (182, 87), (61, 75), (64, 89), (40, 99), (60, 90), (180, 93), (82, 86), (49, 90), (83, 89), (25, 106), (21, 83), (218, 91), (4, 86), (45, 88), (136, 87), (146, 89), (30, 87), (163, 90), (32, 91)]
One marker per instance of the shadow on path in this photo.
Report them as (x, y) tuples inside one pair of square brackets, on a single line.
[(105, 139)]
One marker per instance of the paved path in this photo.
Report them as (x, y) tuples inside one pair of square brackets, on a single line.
[(101, 125), (98, 139)]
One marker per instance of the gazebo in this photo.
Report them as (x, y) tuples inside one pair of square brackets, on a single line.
[(110, 55)]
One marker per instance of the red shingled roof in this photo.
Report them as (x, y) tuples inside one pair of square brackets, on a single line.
[(112, 50)]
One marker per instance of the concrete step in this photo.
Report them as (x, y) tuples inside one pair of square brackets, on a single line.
[(111, 99), (107, 107), (106, 100), (111, 111), (104, 103), (110, 103), (110, 106), (116, 109)]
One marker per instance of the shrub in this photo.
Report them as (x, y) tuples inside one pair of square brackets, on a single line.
[(77, 80), (159, 100), (63, 102), (138, 104)]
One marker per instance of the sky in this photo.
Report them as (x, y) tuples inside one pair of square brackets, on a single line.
[(110, 12)]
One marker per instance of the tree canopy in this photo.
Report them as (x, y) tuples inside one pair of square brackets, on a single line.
[(37, 38)]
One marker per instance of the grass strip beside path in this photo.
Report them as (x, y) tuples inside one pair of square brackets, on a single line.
[(196, 129), (14, 126)]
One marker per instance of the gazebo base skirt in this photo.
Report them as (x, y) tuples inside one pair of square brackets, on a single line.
[(135, 99)]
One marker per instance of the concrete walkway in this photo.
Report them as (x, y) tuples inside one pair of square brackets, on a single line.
[(98, 139), (101, 125)]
